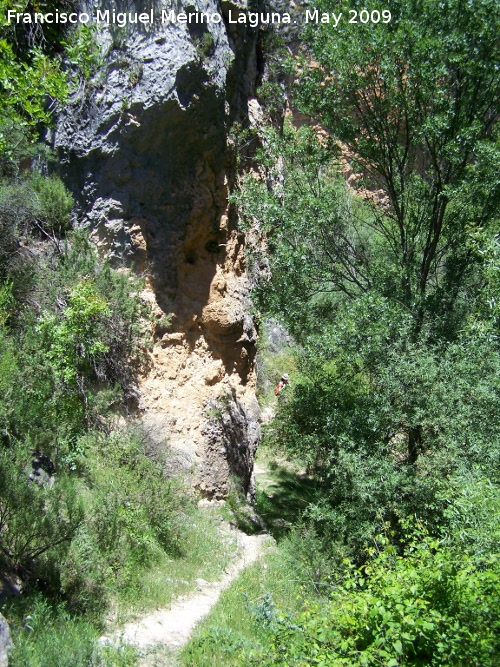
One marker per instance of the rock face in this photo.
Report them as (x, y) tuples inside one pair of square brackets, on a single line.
[(144, 148), (232, 433), (5, 642)]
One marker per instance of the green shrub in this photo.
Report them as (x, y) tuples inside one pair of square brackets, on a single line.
[(53, 205), (86, 536), (431, 606), (76, 352), (83, 52), (131, 519), (37, 520), (382, 422), (470, 505), (204, 45), (46, 635), (73, 342)]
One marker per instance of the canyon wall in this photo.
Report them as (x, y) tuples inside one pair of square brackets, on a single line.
[(144, 146)]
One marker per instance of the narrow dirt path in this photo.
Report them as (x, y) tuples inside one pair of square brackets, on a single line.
[(172, 627)]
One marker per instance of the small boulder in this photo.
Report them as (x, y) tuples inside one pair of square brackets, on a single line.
[(5, 642)]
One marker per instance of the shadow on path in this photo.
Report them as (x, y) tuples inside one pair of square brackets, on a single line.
[(282, 497)]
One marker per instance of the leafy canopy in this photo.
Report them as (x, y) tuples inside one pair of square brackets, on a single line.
[(27, 80), (416, 101)]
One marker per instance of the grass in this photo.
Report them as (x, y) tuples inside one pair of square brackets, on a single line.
[(237, 631), (46, 635), (239, 622), (207, 548), (284, 491)]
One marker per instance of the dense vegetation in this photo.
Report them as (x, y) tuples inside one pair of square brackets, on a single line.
[(390, 289), (389, 545)]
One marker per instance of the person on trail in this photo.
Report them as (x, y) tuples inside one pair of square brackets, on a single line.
[(281, 384)]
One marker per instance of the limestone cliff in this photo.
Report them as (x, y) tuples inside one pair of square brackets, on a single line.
[(144, 147)]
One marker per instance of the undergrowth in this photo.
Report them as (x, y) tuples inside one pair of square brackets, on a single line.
[(46, 633), (239, 623), (205, 551)]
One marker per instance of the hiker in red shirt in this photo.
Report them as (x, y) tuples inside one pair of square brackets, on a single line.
[(281, 384)]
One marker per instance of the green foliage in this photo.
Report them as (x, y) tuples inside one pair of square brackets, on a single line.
[(416, 600), (392, 299), (85, 536), (317, 233), (18, 147), (471, 510), (75, 359), (271, 89), (31, 71), (415, 108), (271, 97), (414, 102), (54, 204), (131, 518), (242, 513), (200, 548), (327, 246), (46, 635), (205, 46), (429, 606), (83, 52), (87, 514), (395, 391), (25, 88), (37, 520), (26, 83), (485, 319), (30, 207), (382, 422), (18, 203), (284, 493), (59, 640), (73, 344), (66, 337)]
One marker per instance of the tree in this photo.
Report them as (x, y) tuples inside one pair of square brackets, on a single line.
[(416, 101), (392, 296), (302, 209)]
